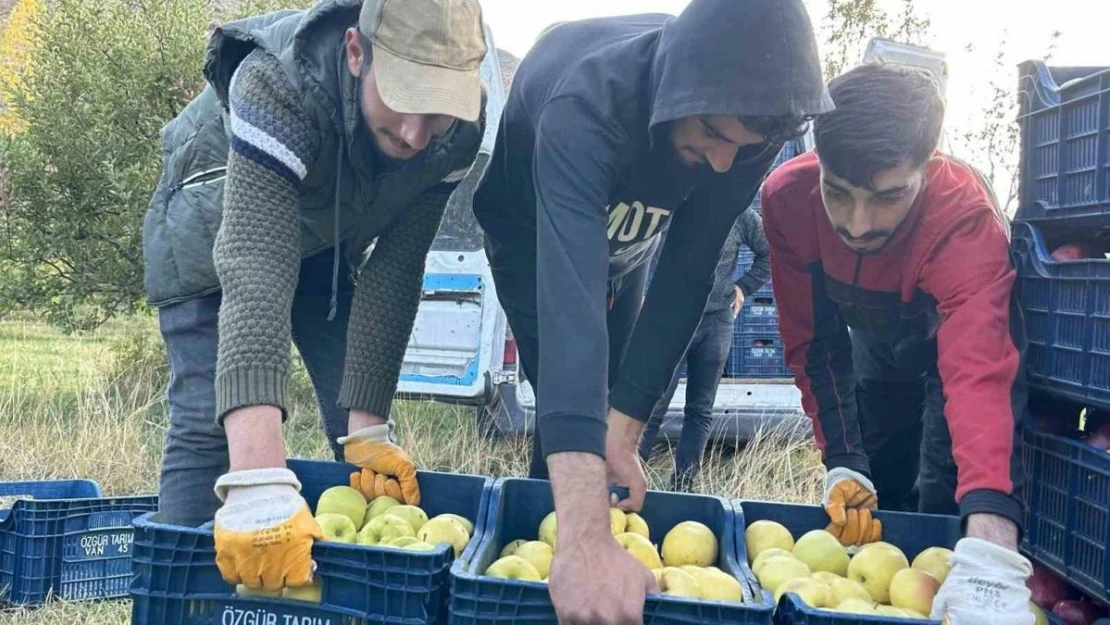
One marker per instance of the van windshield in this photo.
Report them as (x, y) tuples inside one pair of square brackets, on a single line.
[(459, 230)]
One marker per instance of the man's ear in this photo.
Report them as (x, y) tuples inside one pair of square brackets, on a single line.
[(353, 44)]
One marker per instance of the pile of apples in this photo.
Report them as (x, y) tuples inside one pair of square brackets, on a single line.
[(345, 516), (1053, 594), (877, 580), (683, 566)]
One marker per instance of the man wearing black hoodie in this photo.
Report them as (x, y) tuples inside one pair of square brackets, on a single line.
[(616, 129)]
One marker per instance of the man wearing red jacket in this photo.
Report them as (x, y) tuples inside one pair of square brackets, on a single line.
[(891, 270)]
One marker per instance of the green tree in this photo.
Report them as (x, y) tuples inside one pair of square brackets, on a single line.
[(849, 24), (104, 78)]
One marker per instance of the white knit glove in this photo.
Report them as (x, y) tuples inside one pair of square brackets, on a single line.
[(986, 586)]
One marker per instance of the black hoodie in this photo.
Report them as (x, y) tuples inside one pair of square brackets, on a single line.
[(583, 179)]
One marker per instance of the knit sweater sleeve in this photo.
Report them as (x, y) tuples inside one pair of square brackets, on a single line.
[(385, 303), (257, 253)]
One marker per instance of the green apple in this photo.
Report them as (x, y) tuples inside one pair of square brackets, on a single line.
[(511, 548), (640, 548), (547, 529), (538, 553), (874, 568), (716, 585), (414, 515), (311, 593), (913, 589), (419, 546), (826, 577), (637, 525), (247, 591), (343, 500), (689, 542), (778, 570), (462, 520), (934, 561), (337, 528), (856, 606), (767, 554), (843, 588), (402, 541), (445, 530), (383, 529), (889, 610), (514, 567), (822, 552), (379, 506), (762, 535), (678, 583), (813, 593)]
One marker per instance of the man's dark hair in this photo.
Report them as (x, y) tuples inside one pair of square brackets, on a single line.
[(884, 115), (776, 129)]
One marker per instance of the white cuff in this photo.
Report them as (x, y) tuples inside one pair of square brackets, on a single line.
[(379, 433), (842, 474), (983, 554), (255, 477)]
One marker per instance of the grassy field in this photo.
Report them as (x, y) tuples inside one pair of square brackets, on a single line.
[(93, 406)]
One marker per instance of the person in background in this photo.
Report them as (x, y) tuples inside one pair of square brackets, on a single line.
[(615, 129), (321, 134), (894, 283), (708, 351)]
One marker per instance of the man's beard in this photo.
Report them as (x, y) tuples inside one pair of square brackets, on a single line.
[(366, 142)]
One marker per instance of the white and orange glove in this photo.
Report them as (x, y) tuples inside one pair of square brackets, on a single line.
[(264, 531), (985, 585), (849, 499), (385, 468)]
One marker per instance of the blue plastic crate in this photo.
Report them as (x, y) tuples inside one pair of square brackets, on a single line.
[(1065, 129), (912, 533), (1066, 306), (758, 355), (66, 542), (759, 315), (516, 509), (176, 580), (1067, 520)]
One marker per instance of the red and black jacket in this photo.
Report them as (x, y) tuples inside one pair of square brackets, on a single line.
[(945, 273)]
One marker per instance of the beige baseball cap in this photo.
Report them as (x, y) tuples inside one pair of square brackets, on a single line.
[(427, 55)]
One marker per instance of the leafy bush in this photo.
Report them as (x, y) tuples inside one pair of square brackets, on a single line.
[(103, 79)]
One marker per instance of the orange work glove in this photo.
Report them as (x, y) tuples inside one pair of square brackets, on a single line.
[(849, 499), (386, 468), (264, 531)]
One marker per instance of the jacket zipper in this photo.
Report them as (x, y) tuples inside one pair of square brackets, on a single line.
[(202, 178), (855, 279)]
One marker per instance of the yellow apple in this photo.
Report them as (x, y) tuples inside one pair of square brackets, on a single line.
[(414, 515), (874, 568), (539, 554), (637, 525), (510, 548), (383, 529), (889, 610), (618, 522), (402, 541), (1039, 617), (678, 583), (640, 548), (419, 546), (311, 593), (767, 554), (762, 535), (689, 542), (826, 577), (875, 545), (343, 500), (843, 588), (513, 567), (445, 530), (934, 561), (380, 504), (913, 589), (822, 552), (337, 528), (247, 591), (856, 606), (548, 527), (778, 570), (461, 519), (813, 593), (716, 585)]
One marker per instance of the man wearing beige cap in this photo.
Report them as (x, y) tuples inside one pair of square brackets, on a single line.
[(322, 135)]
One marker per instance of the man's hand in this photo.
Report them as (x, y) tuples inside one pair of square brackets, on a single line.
[(849, 499), (264, 531), (737, 301), (593, 580), (623, 460), (386, 468), (987, 580)]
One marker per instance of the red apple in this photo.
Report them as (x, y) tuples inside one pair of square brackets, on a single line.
[(1047, 588), (1099, 440), (1076, 612), (1069, 251)]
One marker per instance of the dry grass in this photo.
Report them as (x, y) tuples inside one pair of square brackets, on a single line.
[(93, 406)]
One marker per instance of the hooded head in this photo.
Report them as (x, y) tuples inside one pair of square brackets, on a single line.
[(730, 74)]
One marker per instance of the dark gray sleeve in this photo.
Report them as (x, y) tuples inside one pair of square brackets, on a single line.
[(751, 234), (576, 159)]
